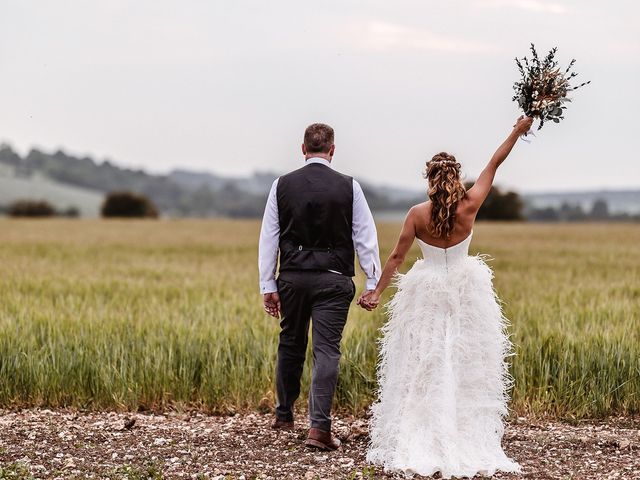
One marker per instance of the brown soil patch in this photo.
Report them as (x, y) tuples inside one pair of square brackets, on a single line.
[(66, 444)]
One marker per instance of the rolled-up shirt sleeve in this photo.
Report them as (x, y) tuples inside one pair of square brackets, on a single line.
[(268, 246), (365, 238)]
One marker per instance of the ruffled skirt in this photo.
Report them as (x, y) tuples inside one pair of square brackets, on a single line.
[(443, 375)]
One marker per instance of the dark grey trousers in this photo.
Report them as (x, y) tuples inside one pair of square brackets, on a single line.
[(324, 297)]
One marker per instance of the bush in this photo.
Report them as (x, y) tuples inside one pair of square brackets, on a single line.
[(547, 214), (128, 204), (600, 210), (70, 212), (504, 206), (31, 208)]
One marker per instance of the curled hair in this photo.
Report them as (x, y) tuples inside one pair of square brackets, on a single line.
[(445, 191)]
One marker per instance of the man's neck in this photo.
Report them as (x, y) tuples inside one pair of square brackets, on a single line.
[(324, 156)]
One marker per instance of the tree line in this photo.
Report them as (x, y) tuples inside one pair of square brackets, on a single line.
[(574, 212), (498, 206), (116, 204), (131, 193), (168, 196)]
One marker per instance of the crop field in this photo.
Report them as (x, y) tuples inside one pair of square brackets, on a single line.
[(167, 314)]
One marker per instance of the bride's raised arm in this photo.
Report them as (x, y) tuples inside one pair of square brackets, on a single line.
[(478, 193), (370, 300)]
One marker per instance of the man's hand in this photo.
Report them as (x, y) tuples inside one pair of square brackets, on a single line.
[(271, 303), (369, 300)]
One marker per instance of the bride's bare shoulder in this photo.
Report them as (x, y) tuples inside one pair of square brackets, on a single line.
[(419, 209), (421, 206)]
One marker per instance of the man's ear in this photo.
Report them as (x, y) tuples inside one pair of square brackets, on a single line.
[(304, 149), (332, 150)]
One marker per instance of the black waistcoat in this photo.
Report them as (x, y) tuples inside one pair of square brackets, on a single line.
[(315, 212)]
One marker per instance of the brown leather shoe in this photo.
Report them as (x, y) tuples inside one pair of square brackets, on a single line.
[(282, 425), (323, 440)]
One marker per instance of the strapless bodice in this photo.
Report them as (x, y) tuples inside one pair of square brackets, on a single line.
[(445, 257)]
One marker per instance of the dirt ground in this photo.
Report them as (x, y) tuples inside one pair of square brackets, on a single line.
[(69, 444)]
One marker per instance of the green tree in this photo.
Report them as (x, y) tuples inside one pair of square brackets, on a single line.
[(31, 208), (500, 205), (600, 209), (128, 204)]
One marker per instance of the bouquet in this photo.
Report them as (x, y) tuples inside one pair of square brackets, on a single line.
[(542, 91)]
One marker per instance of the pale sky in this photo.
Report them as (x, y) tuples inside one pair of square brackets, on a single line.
[(229, 86)]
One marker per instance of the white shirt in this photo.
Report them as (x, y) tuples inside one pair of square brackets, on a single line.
[(363, 233)]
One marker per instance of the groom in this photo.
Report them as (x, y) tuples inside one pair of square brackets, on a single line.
[(317, 219)]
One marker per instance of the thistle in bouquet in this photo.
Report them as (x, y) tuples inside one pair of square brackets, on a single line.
[(542, 90)]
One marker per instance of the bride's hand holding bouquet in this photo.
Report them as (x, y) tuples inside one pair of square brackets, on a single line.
[(523, 125)]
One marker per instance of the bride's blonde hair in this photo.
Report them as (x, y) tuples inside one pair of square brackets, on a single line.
[(445, 191)]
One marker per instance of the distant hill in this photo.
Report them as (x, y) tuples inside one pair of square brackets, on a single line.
[(87, 174), (619, 201), (68, 181), (180, 193), (61, 196), (259, 183)]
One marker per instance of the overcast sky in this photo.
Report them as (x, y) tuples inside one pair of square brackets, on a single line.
[(229, 86)]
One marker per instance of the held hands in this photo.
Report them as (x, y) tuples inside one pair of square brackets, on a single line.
[(369, 300), (271, 303), (523, 124)]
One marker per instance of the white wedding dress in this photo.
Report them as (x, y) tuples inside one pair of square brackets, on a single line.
[(443, 376)]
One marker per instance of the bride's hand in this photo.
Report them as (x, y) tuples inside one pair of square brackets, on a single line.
[(523, 124)]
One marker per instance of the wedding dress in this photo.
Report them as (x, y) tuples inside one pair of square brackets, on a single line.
[(443, 376)]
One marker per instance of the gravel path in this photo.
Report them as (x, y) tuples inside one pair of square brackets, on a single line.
[(68, 444)]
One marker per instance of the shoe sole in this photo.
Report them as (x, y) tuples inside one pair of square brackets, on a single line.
[(316, 444)]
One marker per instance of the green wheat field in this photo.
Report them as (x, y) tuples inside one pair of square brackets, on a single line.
[(166, 314)]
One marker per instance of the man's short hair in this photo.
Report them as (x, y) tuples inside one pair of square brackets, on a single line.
[(318, 138)]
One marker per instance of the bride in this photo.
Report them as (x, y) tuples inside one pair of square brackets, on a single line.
[(443, 376)]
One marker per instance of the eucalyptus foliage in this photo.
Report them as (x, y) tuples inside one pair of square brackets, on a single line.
[(542, 90)]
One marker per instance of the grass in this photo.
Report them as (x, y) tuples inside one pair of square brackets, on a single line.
[(152, 314), (130, 472), (15, 471)]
